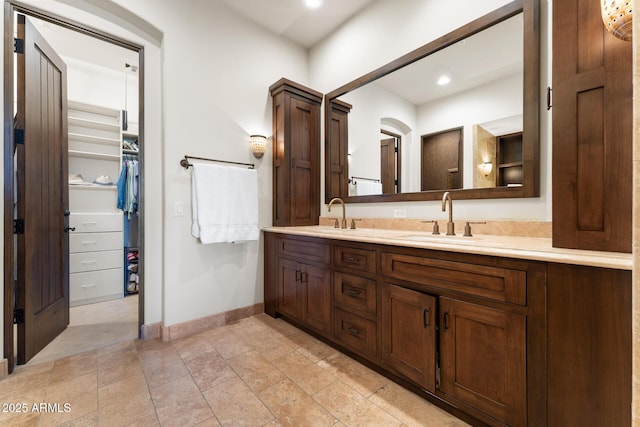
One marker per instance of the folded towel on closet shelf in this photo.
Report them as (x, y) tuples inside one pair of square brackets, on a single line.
[(224, 201), (366, 188)]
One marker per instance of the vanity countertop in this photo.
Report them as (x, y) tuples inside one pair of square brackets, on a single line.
[(529, 248)]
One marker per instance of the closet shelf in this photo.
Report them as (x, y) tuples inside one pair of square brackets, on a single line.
[(93, 139), (92, 187), (133, 152), (93, 124), (89, 155)]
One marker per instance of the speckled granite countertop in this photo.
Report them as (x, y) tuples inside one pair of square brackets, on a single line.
[(528, 248)]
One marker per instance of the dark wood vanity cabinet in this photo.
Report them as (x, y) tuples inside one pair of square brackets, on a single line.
[(592, 131), (495, 341), (408, 327), (296, 154), (483, 359), (303, 287)]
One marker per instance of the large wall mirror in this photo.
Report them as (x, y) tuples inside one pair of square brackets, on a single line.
[(404, 133)]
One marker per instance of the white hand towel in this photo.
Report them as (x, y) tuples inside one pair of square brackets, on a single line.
[(366, 188), (224, 203)]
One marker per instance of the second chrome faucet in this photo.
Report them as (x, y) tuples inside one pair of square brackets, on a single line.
[(450, 224), (344, 211)]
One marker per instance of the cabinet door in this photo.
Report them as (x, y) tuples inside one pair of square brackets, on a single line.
[(315, 302), (482, 358), (305, 159), (288, 283), (408, 334)]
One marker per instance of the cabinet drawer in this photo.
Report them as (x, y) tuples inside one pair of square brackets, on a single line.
[(355, 294), (496, 283), (303, 250), (357, 259), (85, 242), (95, 286), (89, 261), (355, 332), (96, 222)]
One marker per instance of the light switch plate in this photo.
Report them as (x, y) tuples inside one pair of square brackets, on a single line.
[(178, 209)]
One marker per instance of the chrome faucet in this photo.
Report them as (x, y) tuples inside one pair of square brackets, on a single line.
[(344, 211), (450, 225)]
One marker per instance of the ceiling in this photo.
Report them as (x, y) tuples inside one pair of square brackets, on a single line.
[(293, 20)]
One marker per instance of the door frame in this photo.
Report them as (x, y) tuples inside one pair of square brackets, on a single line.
[(10, 8)]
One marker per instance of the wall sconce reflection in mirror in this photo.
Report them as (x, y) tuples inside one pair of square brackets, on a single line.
[(258, 145), (617, 16), (485, 168)]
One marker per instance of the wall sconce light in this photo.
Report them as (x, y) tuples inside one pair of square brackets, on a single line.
[(617, 16), (485, 168), (258, 144)]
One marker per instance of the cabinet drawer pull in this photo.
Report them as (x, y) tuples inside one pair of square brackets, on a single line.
[(445, 320), (89, 261), (425, 317), (298, 276), (89, 223), (90, 285), (353, 331), (89, 242), (352, 259), (353, 292)]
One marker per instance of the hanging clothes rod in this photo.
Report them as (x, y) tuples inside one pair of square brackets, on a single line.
[(353, 178), (185, 162)]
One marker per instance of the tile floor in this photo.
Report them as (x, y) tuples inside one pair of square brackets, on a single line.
[(257, 372), (92, 326)]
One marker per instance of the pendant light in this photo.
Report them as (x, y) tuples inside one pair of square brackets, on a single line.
[(617, 16)]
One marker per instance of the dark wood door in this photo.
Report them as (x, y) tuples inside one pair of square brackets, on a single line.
[(388, 165), (483, 359), (408, 334), (42, 195), (315, 302), (592, 131), (441, 166)]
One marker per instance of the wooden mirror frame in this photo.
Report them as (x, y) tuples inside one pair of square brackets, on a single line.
[(531, 110)]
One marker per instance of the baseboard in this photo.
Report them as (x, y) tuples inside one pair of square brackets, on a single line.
[(191, 327), (150, 331), (4, 369)]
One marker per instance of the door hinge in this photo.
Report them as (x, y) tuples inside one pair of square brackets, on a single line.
[(18, 226), (18, 136), (18, 316), (18, 45)]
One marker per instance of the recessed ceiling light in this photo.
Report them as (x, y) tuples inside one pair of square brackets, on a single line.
[(444, 80), (313, 4)]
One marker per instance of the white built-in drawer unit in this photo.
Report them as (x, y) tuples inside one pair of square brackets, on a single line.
[(88, 261), (95, 286), (91, 242), (96, 263), (96, 222)]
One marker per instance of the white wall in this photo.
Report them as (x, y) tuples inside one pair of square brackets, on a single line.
[(217, 68), (385, 31)]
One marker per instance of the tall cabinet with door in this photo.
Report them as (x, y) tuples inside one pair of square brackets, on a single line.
[(296, 154)]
